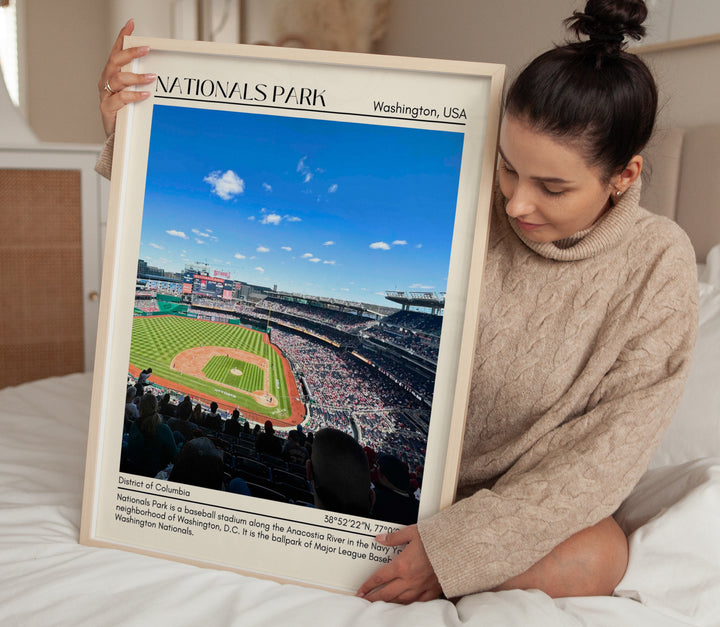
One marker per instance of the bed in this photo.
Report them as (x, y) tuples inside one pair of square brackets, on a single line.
[(672, 517)]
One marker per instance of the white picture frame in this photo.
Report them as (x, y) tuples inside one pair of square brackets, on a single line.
[(411, 143)]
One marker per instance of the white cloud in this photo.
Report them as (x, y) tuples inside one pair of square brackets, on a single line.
[(225, 185), (262, 249), (200, 233), (175, 233), (251, 218), (240, 256), (418, 245), (199, 241), (156, 246), (399, 242), (267, 187), (380, 246), (329, 263), (260, 270), (314, 260), (333, 188), (307, 255), (329, 243), (271, 218), (293, 219), (286, 248), (420, 286), (303, 169)]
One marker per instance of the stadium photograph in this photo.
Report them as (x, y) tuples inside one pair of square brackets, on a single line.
[(288, 307)]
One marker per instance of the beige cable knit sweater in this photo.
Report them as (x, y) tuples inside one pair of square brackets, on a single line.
[(583, 349)]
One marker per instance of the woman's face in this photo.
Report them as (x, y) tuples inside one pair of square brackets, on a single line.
[(551, 193)]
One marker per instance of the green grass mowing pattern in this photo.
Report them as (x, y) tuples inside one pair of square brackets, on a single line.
[(219, 368), (157, 339)]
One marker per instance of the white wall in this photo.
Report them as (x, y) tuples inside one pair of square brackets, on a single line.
[(511, 32), (514, 31), (65, 50), (688, 82), (68, 42)]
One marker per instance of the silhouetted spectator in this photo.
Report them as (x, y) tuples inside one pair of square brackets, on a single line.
[(199, 463), (151, 445), (184, 409), (197, 416), (339, 473), (393, 501), (232, 425), (167, 407), (213, 420), (267, 442), (293, 451), (131, 409)]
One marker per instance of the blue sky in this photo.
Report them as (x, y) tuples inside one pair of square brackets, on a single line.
[(339, 209)]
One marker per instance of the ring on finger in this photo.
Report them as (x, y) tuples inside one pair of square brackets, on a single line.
[(109, 89)]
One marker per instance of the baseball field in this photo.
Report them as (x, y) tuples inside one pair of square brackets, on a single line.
[(233, 365)]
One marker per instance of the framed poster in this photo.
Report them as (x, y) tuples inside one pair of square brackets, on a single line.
[(295, 250)]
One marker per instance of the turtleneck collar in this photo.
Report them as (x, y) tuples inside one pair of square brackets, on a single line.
[(605, 234)]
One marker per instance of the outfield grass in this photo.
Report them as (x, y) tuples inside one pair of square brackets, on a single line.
[(157, 339)]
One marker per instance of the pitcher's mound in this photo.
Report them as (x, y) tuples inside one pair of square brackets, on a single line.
[(236, 372)]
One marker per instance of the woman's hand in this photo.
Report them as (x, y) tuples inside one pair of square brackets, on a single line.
[(408, 577), (112, 83)]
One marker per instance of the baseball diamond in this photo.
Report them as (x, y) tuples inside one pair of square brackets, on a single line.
[(233, 365)]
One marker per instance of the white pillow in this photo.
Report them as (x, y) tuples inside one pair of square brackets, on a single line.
[(695, 429)]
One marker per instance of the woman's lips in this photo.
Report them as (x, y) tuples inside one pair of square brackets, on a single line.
[(527, 226)]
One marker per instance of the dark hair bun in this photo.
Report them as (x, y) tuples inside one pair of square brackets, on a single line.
[(608, 22)]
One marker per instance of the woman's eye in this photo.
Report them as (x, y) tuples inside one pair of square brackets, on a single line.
[(505, 167), (550, 192)]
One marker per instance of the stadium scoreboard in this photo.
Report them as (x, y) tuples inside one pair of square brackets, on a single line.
[(211, 287)]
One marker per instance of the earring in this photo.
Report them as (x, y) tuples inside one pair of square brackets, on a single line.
[(618, 193)]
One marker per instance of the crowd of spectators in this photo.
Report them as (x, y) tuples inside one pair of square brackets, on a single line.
[(343, 392), (161, 439), (339, 320), (146, 305), (425, 346), (420, 381), (337, 379), (417, 321)]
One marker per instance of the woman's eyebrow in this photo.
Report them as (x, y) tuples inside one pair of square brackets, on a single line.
[(544, 179)]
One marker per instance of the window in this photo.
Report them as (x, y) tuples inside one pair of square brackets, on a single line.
[(9, 49)]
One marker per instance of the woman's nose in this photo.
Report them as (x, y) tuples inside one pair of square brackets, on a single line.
[(519, 203)]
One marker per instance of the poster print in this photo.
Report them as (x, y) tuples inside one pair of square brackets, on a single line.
[(292, 276)]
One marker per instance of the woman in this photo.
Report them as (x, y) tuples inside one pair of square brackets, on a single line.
[(151, 445), (198, 416), (587, 323)]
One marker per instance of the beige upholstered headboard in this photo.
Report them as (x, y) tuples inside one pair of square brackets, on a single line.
[(683, 182)]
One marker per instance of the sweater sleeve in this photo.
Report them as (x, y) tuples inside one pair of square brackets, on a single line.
[(578, 473), (104, 163)]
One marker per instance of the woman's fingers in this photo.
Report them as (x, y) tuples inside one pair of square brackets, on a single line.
[(121, 80), (110, 106), (113, 68), (124, 32), (113, 83)]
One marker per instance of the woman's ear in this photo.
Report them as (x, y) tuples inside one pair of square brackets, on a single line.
[(628, 176)]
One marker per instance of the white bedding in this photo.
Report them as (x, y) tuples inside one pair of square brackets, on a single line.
[(47, 578)]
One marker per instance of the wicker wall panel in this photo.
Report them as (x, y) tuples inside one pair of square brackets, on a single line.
[(41, 292)]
